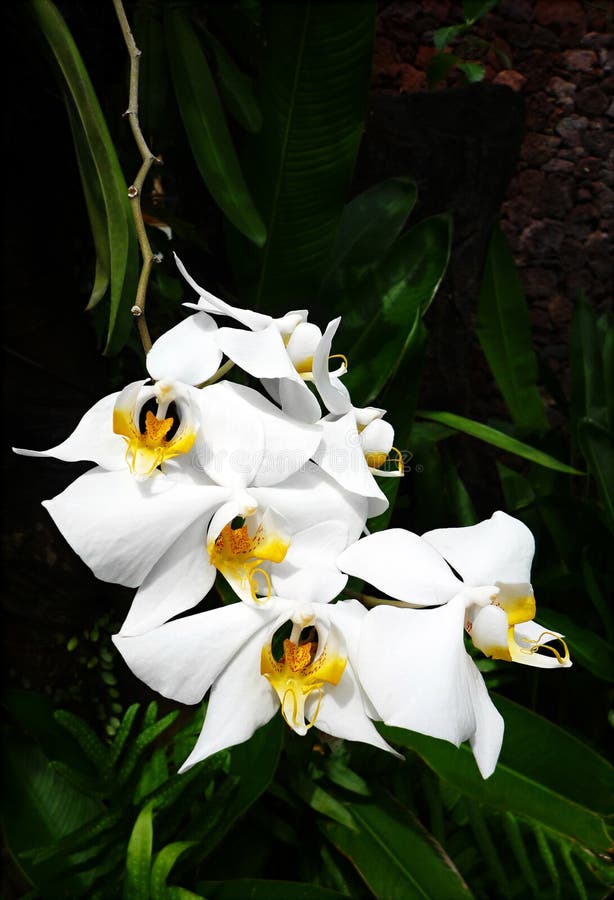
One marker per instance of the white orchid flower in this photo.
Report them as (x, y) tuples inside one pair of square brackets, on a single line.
[(140, 427), (426, 681), (499, 551), (169, 536), (234, 651), (356, 443), (278, 351)]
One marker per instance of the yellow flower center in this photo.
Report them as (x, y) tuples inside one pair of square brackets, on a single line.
[(298, 675), (147, 450), (239, 557)]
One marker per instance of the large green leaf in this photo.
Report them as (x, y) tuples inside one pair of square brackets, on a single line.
[(597, 446), (396, 856), (544, 774), (138, 857), (205, 125), (122, 243), (498, 439), (236, 87), (313, 91), (368, 227), (404, 284), (504, 332)]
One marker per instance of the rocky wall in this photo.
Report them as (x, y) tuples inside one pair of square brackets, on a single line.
[(559, 209)]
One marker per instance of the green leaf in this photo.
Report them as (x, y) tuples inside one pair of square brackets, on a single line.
[(145, 738), (236, 87), (517, 490), (123, 248), (154, 83), (86, 737), (368, 227), (344, 777), (597, 447), (443, 36), (322, 802), (504, 332), (313, 89), (260, 889), (439, 67), (397, 858), (587, 648), (405, 283), (205, 126), (587, 373), (122, 733), (138, 857), (473, 71), (544, 774), (598, 599), (498, 439), (162, 865)]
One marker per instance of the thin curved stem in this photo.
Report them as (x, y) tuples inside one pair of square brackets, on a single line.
[(135, 189), (368, 600)]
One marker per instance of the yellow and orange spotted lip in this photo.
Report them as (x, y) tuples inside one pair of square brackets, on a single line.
[(298, 675), (239, 557), (147, 450)]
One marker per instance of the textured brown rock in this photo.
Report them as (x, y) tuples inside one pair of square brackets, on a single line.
[(580, 60), (550, 12)]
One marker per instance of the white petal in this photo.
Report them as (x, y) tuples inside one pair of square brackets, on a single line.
[(414, 667), (241, 701), (303, 344), (93, 439), (309, 572), (178, 581), (402, 565), (261, 353), (188, 352), (232, 445), (288, 443), (489, 631), (377, 437), (298, 401), (499, 549), (212, 304), (333, 392), (181, 659), (121, 527), (341, 455), (311, 497), (489, 725), (527, 636)]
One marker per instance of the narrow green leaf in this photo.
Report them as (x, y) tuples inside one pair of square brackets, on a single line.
[(546, 854), (123, 248), (405, 283), (122, 733), (475, 9), (544, 774), (205, 126), (86, 737), (587, 373), (498, 439), (598, 599), (313, 89), (162, 865), (138, 857), (154, 82), (576, 880), (236, 87), (145, 738), (323, 802), (517, 490), (344, 777), (504, 332), (443, 36), (523, 860), (488, 848), (368, 227), (95, 210), (597, 446), (396, 857), (608, 374)]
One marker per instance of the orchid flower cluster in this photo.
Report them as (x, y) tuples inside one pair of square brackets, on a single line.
[(197, 476)]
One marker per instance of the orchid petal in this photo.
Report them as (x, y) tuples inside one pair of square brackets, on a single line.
[(231, 448), (210, 303), (261, 353), (188, 352), (414, 667), (183, 658), (341, 455), (298, 401), (498, 549), (241, 701), (309, 573), (93, 439), (402, 565), (121, 527), (334, 394), (302, 345), (528, 637), (489, 629), (177, 582), (288, 443)]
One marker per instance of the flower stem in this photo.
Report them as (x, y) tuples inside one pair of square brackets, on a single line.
[(219, 374), (135, 189), (368, 600)]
